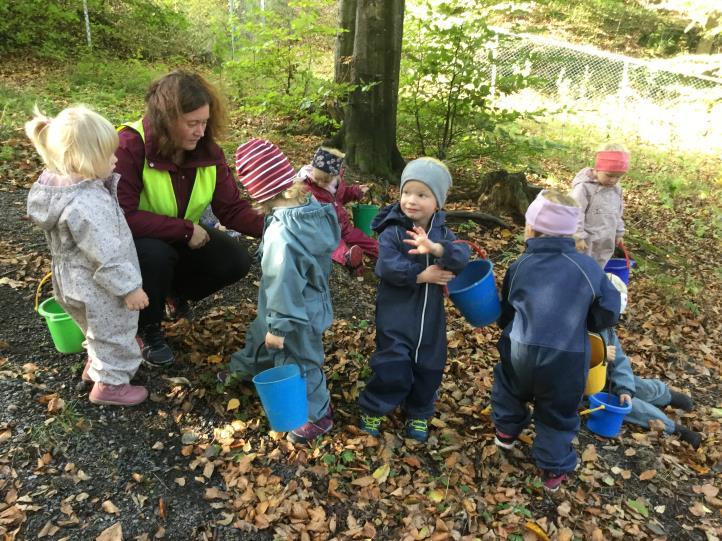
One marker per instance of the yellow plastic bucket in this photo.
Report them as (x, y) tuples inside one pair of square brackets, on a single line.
[(597, 377), (67, 336)]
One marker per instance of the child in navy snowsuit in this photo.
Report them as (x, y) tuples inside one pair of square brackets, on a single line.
[(417, 258), (551, 296)]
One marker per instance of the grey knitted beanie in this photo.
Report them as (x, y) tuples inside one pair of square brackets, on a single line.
[(431, 172)]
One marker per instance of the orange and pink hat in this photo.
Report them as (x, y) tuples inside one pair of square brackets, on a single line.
[(612, 161), (263, 169)]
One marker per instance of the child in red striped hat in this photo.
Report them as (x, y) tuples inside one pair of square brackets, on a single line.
[(294, 301), (598, 193), (324, 178)]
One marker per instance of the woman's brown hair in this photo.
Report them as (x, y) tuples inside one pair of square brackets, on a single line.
[(176, 94)]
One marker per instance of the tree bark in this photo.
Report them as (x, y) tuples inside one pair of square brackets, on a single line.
[(368, 55)]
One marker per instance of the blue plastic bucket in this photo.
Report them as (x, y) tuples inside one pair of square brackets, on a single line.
[(607, 422), (473, 291), (618, 266), (283, 395)]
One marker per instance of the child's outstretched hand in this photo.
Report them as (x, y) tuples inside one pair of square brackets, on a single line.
[(581, 245), (433, 274), (273, 341), (423, 245), (136, 299), (624, 399), (364, 188)]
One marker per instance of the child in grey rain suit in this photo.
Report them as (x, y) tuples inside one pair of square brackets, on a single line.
[(96, 277), (598, 193), (294, 301)]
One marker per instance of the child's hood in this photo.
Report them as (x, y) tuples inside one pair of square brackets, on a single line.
[(393, 215), (51, 195), (586, 175), (312, 225)]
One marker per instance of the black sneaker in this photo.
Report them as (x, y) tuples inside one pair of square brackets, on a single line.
[(688, 435), (155, 350), (177, 308), (681, 401)]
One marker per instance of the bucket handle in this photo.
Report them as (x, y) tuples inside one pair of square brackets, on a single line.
[(626, 253), (39, 289), (592, 410), (478, 249)]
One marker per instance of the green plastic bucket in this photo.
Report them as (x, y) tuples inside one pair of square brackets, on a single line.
[(363, 215), (67, 336)]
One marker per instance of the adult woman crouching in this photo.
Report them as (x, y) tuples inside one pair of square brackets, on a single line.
[(171, 169)]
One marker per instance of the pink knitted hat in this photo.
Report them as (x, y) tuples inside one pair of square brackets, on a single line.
[(612, 161), (552, 218), (263, 169)]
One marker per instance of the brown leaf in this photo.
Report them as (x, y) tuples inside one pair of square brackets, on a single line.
[(161, 508), (565, 534), (564, 508), (364, 481), (109, 507), (48, 530), (114, 533), (699, 509), (590, 453), (647, 475)]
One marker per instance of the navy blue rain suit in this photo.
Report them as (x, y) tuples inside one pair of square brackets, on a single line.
[(410, 320), (551, 296)]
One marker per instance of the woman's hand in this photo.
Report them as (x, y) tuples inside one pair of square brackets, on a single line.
[(273, 341), (136, 299), (199, 238), (433, 274), (422, 244)]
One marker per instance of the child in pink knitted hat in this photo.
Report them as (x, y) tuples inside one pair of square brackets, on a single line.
[(598, 193), (551, 296)]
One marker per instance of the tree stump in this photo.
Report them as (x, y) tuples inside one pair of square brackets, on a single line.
[(506, 194)]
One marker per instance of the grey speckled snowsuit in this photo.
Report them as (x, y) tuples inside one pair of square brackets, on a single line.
[(601, 219), (294, 300), (94, 267)]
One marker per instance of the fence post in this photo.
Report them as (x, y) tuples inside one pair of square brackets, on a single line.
[(494, 53), (624, 85)]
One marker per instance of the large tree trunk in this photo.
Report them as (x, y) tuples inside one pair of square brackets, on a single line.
[(368, 54)]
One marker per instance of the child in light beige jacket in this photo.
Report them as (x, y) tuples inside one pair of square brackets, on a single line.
[(598, 193)]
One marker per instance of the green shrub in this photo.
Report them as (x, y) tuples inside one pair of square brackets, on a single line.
[(446, 107)]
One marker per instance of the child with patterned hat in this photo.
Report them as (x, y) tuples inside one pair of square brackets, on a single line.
[(324, 178), (598, 193), (294, 301)]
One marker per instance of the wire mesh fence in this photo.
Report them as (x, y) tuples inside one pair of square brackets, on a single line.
[(662, 106)]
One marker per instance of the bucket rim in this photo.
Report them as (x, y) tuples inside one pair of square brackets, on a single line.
[(474, 284), (52, 316), (618, 263), (365, 206), (294, 368), (598, 399)]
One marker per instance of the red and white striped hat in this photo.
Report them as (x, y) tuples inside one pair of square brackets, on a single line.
[(263, 169)]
